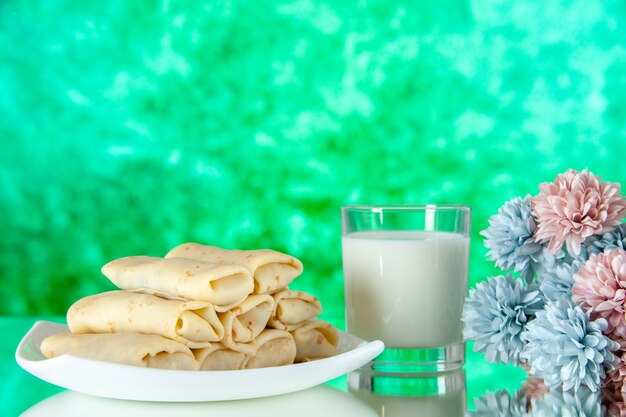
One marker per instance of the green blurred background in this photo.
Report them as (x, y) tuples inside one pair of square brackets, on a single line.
[(130, 127)]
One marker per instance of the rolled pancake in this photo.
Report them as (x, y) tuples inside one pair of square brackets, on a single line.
[(271, 269), (315, 339), (243, 323), (292, 309), (274, 348), (218, 357), (136, 349), (193, 323), (179, 278)]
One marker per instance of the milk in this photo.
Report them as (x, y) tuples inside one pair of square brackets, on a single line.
[(406, 288)]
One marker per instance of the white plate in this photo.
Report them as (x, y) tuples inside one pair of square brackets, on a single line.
[(112, 380)]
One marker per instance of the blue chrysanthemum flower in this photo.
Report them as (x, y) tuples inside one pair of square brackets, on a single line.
[(500, 404), (509, 238), (596, 244), (496, 313), (558, 283), (545, 262), (566, 348), (556, 403)]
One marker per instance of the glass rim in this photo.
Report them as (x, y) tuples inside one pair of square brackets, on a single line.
[(404, 206)]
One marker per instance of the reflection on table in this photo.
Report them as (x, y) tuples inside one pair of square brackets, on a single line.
[(450, 401), (430, 395), (438, 396), (317, 401), (534, 398)]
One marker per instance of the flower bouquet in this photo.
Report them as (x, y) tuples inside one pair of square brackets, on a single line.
[(560, 310)]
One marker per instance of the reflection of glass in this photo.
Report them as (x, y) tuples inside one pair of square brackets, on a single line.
[(313, 402), (440, 396), (405, 275)]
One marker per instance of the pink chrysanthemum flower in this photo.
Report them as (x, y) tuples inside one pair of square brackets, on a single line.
[(611, 393), (600, 286), (613, 399), (534, 388), (617, 409), (616, 377), (575, 206)]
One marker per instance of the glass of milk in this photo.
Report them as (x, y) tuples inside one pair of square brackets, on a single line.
[(405, 275)]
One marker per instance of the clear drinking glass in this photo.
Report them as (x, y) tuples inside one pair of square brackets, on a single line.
[(405, 276)]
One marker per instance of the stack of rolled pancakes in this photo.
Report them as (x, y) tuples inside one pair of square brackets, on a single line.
[(199, 308)]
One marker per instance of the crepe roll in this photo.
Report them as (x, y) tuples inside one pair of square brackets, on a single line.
[(271, 270), (246, 321), (218, 357), (315, 339), (181, 278), (146, 350), (193, 323), (274, 348), (292, 309)]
